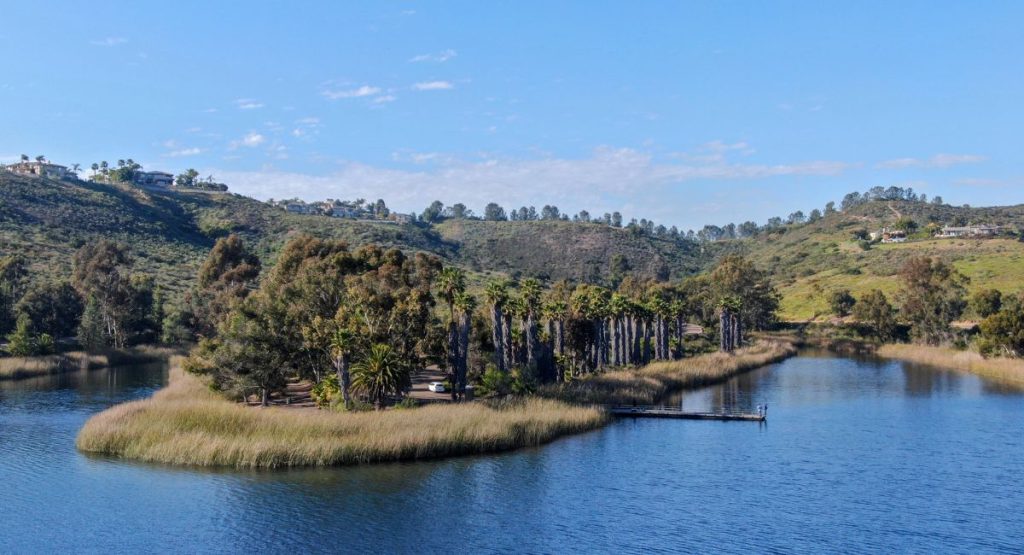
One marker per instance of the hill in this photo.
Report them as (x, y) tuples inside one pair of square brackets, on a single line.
[(170, 233), (811, 260)]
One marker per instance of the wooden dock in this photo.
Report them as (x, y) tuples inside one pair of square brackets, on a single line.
[(666, 412)]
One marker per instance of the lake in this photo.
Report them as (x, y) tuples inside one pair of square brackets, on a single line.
[(857, 455)]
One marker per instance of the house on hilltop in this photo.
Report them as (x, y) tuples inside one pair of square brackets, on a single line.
[(154, 180), (41, 169), (983, 230)]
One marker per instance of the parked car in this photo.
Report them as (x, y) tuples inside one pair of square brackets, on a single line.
[(436, 387)]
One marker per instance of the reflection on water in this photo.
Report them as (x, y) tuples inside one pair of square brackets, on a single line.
[(860, 455)]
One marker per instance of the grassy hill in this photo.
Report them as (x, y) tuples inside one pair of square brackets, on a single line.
[(576, 251), (171, 232), (812, 260)]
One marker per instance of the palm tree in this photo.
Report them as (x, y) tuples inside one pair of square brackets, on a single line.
[(531, 298), (380, 375), (497, 295), (451, 281), (341, 350), (466, 304)]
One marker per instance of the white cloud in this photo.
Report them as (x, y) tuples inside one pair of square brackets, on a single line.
[(251, 140), (383, 99), (937, 161), (248, 104), (109, 41), (193, 151), (363, 91), (610, 179), (440, 57), (433, 86)]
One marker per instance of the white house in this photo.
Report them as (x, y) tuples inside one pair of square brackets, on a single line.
[(983, 230), (41, 169), (154, 180)]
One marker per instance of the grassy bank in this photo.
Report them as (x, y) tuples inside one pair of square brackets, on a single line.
[(187, 424), (15, 368), (653, 382), (1005, 370)]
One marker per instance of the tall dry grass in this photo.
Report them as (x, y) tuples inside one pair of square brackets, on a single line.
[(650, 384), (16, 368), (187, 424), (1005, 370)]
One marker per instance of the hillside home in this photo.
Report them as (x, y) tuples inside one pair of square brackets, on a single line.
[(983, 230), (297, 208), (154, 180), (402, 218), (889, 235), (41, 169)]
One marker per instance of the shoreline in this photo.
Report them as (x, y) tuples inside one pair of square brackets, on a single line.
[(1006, 371), (186, 424), (22, 368)]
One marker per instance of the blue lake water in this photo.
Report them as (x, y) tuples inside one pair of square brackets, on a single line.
[(857, 456)]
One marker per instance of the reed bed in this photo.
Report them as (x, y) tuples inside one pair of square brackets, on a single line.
[(1004, 370), (187, 424), (650, 384), (16, 368)]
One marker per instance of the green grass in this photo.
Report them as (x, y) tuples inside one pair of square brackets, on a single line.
[(186, 424)]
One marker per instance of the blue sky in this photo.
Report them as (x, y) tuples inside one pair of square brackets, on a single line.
[(686, 113)]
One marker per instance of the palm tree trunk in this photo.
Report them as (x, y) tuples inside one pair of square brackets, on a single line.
[(453, 358), (341, 365), (465, 323), (506, 341), (498, 337), (530, 336)]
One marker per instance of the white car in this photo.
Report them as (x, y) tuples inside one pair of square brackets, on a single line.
[(436, 387)]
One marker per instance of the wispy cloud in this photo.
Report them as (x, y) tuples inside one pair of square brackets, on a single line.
[(358, 92), (384, 99), (108, 41), (182, 152), (609, 179), (433, 86), (937, 161), (248, 104), (440, 57)]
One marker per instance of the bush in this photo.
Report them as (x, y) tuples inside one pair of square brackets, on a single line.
[(326, 392), (494, 382)]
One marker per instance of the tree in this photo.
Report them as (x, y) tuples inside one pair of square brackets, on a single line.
[(932, 298), (875, 310), (736, 277), (380, 209), (815, 215), (380, 375), (433, 212), (937, 201), (495, 213), (21, 343), (616, 219), (52, 308), (906, 224), (830, 208), (549, 212), (1003, 332), (496, 294), (841, 302), (986, 302), (796, 218), (747, 229), (102, 273), (189, 179), (13, 281), (458, 211)]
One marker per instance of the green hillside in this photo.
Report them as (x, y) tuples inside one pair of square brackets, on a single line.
[(811, 260), (171, 232)]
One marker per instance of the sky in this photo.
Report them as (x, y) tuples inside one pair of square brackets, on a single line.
[(686, 113)]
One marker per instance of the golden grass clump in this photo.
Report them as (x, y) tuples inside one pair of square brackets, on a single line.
[(648, 385), (1005, 370), (187, 424)]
